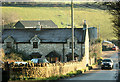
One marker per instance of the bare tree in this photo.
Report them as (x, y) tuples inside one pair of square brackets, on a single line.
[(9, 19), (114, 9)]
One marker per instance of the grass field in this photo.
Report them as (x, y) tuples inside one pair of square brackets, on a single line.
[(61, 17)]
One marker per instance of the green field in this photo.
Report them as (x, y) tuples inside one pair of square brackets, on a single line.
[(94, 17)]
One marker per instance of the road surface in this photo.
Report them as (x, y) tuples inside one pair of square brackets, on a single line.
[(98, 74)]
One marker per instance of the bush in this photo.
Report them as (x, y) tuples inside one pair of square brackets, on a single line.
[(21, 53), (99, 61), (53, 78), (12, 57), (98, 41), (95, 63), (89, 67), (62, 76), (79, 71), (70, 74)]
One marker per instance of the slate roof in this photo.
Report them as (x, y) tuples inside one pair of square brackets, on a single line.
[(53, 54), (33, 23), (70, 54), (45, 35), (92, 33)]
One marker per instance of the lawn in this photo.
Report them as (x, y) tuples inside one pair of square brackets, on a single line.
[(61, 17)]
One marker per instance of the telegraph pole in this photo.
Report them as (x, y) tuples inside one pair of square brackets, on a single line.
[(2, 24), (72, 26), (99, 30)]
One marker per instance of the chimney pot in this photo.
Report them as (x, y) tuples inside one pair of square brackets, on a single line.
[(84, 25)]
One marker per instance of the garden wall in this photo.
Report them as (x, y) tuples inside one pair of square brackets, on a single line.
[(31, 70)]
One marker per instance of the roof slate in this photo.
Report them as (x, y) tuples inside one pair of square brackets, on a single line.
[(45, 35), (53, 54), (70, 54)]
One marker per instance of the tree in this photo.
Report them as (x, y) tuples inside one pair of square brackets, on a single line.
[(9, 19), (114, 9)]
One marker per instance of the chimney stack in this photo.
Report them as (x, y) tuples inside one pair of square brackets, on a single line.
[(84, 25), (39, 26)]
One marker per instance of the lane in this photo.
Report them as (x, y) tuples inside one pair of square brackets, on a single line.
[(98, 74)]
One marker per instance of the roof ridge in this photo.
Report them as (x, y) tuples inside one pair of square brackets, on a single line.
[(35, 20), (35, 28)]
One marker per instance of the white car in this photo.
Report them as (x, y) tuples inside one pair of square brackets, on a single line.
[(107, 63), (20, 63), (39, 60)]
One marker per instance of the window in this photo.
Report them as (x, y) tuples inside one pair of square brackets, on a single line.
[(9, 45), (53, 59), (35, 44), (74, 45), (71, 45)]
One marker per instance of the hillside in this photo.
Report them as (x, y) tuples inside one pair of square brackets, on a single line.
[(61, 17)]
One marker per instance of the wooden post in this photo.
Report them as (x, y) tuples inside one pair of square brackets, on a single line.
[(72, 26)]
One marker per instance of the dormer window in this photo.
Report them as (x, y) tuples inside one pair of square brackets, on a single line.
[(35, 44), (35, 41), (8, 45), (9, 42)]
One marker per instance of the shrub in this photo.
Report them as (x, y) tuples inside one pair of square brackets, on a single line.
[(95, 63), (99, 61), (98, 41), (22, 54), (66, 76), (53, 78), (15, 56), (69, 74), (79, 71), (12, 56), (89, 67), (62, 76)]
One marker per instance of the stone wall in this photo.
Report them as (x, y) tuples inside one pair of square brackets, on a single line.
[(45, 70), (45, 48)]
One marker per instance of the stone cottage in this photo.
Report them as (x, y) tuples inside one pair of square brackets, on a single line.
[(34, 23), (55, 44)]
